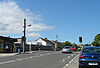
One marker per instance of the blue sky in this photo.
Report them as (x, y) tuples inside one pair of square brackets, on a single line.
[(69, 18)]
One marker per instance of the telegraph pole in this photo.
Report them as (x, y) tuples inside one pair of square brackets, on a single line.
[(24, 40)]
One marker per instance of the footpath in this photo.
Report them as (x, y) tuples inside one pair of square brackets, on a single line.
[(7, 54), (12, 54)]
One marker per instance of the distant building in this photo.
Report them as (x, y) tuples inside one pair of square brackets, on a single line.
[(59, 45), (43, 44), (7, 44), (18, 44)]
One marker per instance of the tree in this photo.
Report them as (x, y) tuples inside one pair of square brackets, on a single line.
[(97, 37), (96, 41), (75, 45), (67, 43), (87, 45)]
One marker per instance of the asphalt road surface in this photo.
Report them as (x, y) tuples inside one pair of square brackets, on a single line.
[(39, 59)]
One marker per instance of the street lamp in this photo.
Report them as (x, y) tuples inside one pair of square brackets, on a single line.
[(30, 46)]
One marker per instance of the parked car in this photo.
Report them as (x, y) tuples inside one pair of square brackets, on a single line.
[(67, 49), (90, 57), (79, 48), (73, 48)]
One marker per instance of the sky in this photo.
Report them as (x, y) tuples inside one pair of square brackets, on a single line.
[(69, 19)]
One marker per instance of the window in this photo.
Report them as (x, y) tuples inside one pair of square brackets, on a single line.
[(91, 50), (1, 45)]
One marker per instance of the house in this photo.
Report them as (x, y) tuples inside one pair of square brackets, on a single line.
[(6, 42), (43, 44), (18, 44), (12, 44), (59, 44)]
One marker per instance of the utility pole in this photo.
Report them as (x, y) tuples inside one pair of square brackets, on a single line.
[(24, 41)]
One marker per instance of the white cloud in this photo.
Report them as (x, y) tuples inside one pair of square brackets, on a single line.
[(34, 35), (39, 27), (12, 16)]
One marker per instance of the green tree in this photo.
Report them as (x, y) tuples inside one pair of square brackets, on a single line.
[(97, 37), (86, 45), (67, 43), (96, 41), (76, 46)]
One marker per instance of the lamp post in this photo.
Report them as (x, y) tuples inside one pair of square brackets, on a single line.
[(30, 46), (24, 37)]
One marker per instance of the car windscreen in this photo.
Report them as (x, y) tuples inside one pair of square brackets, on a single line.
[(67, 47), (91, 50)]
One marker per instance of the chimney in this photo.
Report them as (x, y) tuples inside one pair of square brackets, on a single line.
[(46, 39)]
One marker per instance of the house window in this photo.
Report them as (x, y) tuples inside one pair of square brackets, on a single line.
[(1, 45), (39, 43)]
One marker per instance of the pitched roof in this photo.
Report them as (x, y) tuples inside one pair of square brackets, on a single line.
[(48, 41), (58, 43), (8, 39)]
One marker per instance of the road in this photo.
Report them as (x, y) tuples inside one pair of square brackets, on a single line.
[(43, 59)]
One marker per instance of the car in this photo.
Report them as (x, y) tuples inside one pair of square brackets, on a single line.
[(79, 48), (67, 49), (90, 57), (73, 48)]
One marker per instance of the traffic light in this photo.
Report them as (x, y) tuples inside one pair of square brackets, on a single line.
[(80, 39), (23, 38)]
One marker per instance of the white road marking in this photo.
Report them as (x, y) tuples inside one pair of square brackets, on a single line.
[(72, 55), (69, 56), (19, 59), (41, 55), (64, 60), (66, 64), (25, 58), (70, 61), (30, 57), (7, 62)]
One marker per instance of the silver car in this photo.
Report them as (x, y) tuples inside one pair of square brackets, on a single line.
[(67, 49)]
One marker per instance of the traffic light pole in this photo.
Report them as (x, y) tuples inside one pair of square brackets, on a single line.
[(24, 41)]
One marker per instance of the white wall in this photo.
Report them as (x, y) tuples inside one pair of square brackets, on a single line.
[(40, 41), (49, 44), (19, 40)]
